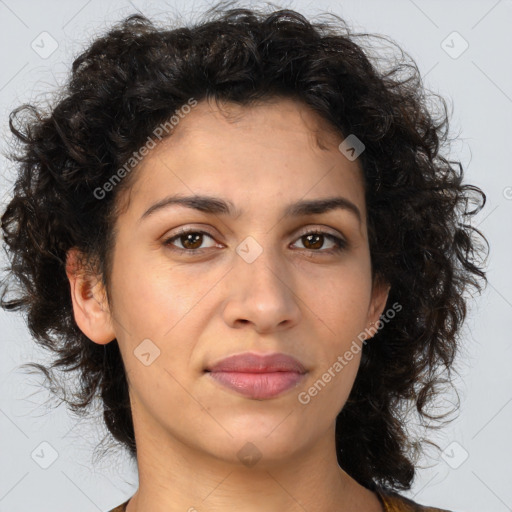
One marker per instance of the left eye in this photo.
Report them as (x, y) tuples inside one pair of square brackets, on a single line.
[(191, 240), (312, 238)]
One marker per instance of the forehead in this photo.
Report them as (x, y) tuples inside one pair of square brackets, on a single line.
[(280, 114), (279, 148)]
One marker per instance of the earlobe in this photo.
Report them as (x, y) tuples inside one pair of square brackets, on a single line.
[(90, 306)]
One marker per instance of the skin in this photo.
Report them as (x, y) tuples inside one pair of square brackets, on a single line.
[(200, 309)]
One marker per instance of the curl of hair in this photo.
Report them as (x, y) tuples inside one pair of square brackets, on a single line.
[(134, 78)]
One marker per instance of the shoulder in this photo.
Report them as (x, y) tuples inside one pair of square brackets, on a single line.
[(393, 502), (120, 508)]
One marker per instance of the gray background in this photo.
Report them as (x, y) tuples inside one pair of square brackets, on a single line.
[(473, 474)]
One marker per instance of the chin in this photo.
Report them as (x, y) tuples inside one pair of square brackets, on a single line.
[(269, 444)]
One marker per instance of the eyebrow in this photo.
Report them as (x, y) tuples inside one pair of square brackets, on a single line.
[(216, 205)]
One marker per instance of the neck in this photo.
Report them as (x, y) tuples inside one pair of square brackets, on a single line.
[(176, 477)]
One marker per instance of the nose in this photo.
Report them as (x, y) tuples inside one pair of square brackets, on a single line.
[(261, 294)]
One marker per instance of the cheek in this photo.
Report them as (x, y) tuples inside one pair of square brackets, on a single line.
[(328, 390), (341, 302), (151, 298), (162, 304), (156, 393), (341, 318)]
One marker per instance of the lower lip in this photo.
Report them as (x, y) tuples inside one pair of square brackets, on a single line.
[(258, 385)]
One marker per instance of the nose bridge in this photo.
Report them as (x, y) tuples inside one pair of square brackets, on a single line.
[(259, 266), (262, 293)]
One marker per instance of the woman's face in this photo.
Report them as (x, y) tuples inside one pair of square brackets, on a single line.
[(245, 281)]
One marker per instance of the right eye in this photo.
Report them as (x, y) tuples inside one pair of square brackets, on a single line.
[(189, 239)]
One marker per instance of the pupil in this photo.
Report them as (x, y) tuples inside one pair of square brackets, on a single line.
[(317, 245), (188, 237)]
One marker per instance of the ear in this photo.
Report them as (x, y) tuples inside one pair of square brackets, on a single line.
[(89, 300), (380, 293)]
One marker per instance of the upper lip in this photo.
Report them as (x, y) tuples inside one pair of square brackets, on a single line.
[(249, 362)]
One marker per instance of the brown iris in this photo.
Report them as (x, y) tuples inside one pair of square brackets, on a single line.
[(189, 240), (317, 245)]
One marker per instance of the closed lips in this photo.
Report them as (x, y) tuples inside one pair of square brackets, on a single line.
[(258, 377), (255, 363)]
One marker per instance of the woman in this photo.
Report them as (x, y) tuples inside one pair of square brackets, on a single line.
[(243, 236)]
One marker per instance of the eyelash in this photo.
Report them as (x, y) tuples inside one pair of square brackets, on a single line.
[(341, 244)]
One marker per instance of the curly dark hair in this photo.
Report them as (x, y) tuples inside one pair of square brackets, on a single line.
[(133, 78)]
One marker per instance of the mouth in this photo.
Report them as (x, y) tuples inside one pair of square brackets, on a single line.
[(257, 376), (259, 386)]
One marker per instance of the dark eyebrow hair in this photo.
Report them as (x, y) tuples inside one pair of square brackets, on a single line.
[(216, 205)]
